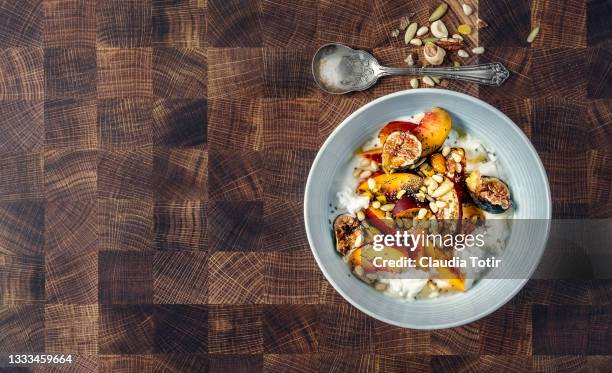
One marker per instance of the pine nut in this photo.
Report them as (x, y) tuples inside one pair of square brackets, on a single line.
[(433, 207), (478, 50), (376, 204), (364, 163), (365, 174), (400, 194), (456, 157), (358, 241), (422, 213), (446, 187), (373, 166), (438, 178), (445, 150), (441, 204), (387, 207), (356, 173), (371, 184), (360, 215)]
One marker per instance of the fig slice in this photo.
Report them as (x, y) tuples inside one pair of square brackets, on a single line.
[(400, 150), (489, 193), (349, 233)]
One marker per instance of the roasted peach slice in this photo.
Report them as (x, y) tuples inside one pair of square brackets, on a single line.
[(433, 130), (390, 184)]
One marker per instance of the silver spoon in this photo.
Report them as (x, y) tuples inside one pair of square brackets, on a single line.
[(338, 69)]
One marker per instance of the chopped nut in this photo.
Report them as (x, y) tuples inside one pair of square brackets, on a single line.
[(409, 60), (414, 83), (428, 81), (463, 54), (478, 50), (459, 167), (422, 31), (438, 29), (467, 10), (533, 34), (410, 32), (358, 241), (439, 12), (416, 42), (373, 166), (359, 271)]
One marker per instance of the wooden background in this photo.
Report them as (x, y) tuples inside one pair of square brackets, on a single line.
[(153, 156)]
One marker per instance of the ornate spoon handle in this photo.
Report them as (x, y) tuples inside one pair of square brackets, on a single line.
[(489, 73)]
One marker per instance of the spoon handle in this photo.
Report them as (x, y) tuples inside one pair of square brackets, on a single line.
[(489, 73)]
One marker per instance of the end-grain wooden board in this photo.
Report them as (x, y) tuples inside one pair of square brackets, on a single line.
[(153, 156)]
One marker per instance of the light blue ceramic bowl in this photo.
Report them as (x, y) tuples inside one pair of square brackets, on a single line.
[(523, 172)]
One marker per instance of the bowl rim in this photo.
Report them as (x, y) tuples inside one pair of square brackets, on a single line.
[(477, 101)]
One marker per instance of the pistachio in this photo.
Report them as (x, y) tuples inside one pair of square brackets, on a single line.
[(478, 50), (463, 54), (414, 83), (439, 12), (409, 60), (410, 32), (416, 42), (438, 29), (422, 31), (428, 81), (434, 54), (533, 34), (467, 10)]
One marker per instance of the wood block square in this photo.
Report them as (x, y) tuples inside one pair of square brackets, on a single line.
[(235, 73), (600, 331), (23, 225), (570, 200), (71, 278), (234, 23), (236, 363), (599, 76), (180, 362), (236, 175), (180, 173), (393, 340), (124, 23), (125, 225), (126, 363), (511, 26), (179, 72), (291, 362), (234, 225), (126, 329), (279, 226), (125, 174), (550, 78), (180, 122), (22, 279), (559, 125), (70, 123), (560, 330), (287, 73), (289, 124), (518, 62), (285, 173), (70, 175), (180, 277), (71, 227), (22, 126), (291, 277), (348, 23), (70, 72), (235, 329), (599, 116), (600, 178), (483, 363), (22, 176), (505, 332), (560, 363), (23, 328), (71, 328), (363, 362), (69, 23), (235, 124), (125, 123), (236, 278), (290, 329), (180, 225), (125, 277), (28, 81), (179, 23), (598, 18), (555, 15), (22, 24), (555, 292), (333, 109), (289, 24), (520, 110), (180, 328), (343, 328), (124, 72)]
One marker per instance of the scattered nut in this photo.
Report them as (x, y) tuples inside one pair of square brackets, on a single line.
[(414, 83), (467, 10), (438, 29), (399, 223), (430, 40), (410, 32), (450, 44), (373, 166), (457, 36), (481, 24), (416, 42), (409, 60), (533, 34), (439, 12), (478, 50), (395, 33), (463, 54), (435, 79), (428, 81), (434, 54), (422, 31)]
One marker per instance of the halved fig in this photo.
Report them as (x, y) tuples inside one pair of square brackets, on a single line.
[(390, 184), (349, 233), (400, 150), (391, 127), (489, 193)]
